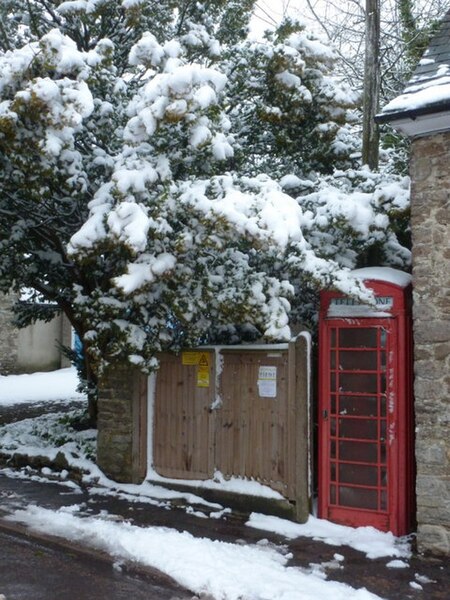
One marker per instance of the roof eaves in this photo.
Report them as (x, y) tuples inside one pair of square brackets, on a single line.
[(413, 113)]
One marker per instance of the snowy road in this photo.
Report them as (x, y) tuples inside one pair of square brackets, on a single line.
[(225, 555), (36, 570), (40, 568)]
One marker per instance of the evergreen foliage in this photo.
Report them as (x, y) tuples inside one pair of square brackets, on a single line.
[(163, 178)]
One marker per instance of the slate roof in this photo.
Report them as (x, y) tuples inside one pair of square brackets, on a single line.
[(428, 90)]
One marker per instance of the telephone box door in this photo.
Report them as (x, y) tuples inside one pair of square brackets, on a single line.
[(359, 471)]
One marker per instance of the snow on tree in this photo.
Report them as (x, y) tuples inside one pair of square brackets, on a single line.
[(379, 45), (290, 113), (162, 178)]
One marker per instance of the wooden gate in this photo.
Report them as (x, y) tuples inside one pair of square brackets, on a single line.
[(253, 438), (241, 410), (181, 429)]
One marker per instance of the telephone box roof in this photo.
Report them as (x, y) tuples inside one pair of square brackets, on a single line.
[(386, 274)]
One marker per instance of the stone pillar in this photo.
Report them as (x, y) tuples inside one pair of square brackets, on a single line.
[(8, 337), (430, 214), (122, 424)]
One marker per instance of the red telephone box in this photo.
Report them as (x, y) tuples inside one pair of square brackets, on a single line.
[(366, 446)]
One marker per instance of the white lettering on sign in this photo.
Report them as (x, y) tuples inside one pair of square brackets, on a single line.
[(351, 307), (383, 301), (267, 382)]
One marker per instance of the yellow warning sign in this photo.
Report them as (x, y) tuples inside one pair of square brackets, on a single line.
[(203, 370), (203, 360), (190, 358), (202, 376)]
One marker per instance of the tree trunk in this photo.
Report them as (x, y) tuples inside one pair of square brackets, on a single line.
[(92, 393), (92, 407), (370, 150)]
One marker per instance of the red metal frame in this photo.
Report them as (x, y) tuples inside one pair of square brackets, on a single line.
[(366, 464)]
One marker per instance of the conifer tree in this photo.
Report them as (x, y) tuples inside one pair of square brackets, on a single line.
[(162, 177)]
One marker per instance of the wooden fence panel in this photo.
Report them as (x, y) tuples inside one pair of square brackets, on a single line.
[(181, 434), (251, 422), (252, 425)]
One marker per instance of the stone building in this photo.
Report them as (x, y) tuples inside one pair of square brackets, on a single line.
[(422, 112), (34, 348)]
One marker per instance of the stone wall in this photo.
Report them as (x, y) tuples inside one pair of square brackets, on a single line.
[(122, 424), (8, 337), (430, 173)]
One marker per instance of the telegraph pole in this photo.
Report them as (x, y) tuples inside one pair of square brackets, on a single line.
[(370, 149)]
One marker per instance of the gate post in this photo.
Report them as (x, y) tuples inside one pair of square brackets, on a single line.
[(122, 423), (300, 378)]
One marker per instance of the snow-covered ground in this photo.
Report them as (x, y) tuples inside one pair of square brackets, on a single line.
[(39, 387), (227, 571)]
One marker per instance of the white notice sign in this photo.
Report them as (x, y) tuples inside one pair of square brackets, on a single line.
[(267, 382)]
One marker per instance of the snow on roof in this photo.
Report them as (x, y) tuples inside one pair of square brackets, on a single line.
[(428, 90), (386, 274)]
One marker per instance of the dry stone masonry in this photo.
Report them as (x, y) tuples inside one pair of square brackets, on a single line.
[(8, 337), (422, 112), (122, 423), (430, 205)]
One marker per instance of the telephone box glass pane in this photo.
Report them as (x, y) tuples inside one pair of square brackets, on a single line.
[(333, 494), (333, 338), (360, 337), (359, 429), (362, 474), (356, 360), (358, 452), (333, 471), (333, 360), (333, 427), (333, 449), (358, 406), (358, 497), (333, 404), (358, 382), (333, 382), (383, 454)]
